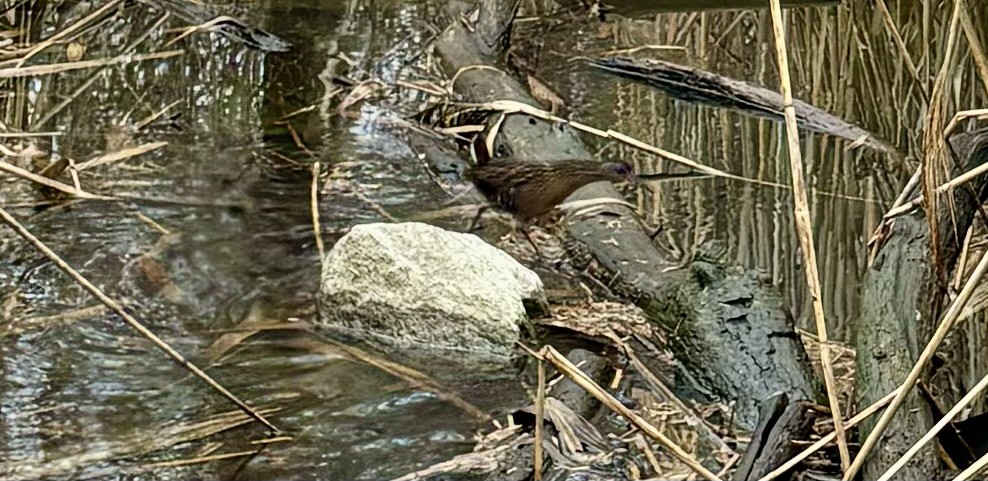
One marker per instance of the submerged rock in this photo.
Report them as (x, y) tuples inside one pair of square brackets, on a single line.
[(416, 285)]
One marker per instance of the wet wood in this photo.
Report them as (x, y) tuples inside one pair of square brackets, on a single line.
[(694, 85), (729, 329), (893, 329), (780, 422)]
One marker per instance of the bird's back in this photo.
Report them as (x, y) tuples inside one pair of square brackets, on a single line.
[(531, 189)]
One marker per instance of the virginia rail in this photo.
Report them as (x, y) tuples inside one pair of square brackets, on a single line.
[(529, 190)]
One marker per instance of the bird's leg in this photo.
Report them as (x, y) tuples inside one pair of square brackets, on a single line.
[(524, 231), (476, 219)]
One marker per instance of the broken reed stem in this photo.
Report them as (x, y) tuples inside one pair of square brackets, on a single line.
[(589, 385), (861, 416), (804, 229), (944, 421), (314, 201), (539, 419), (942, 188), (119, 310), (942, 329)]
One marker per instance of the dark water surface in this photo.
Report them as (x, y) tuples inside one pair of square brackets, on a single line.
[(88, 399)]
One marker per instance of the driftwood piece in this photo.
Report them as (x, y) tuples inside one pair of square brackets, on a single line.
[(730, 329), (780, 422), (694, 85), (236, 30), (900, 304)]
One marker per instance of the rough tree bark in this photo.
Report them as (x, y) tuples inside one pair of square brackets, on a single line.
[(900, 304)]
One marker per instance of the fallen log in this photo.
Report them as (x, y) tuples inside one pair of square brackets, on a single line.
[(900, 302)]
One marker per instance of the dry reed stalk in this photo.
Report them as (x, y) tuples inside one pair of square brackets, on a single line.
[(581, 379), (121, 155), (539, 419), (199, 460), (54, 184), (944, 421), (804, 229), (34, 70), (864, 414), (924, 358), (962, 116), (411, 376), (940, 189), (119, 310), (18, 135), (314, 203)]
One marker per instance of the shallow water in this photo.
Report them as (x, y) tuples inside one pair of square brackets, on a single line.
[(88, 399)]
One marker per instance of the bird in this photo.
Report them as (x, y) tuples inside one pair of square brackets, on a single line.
[(529, 190)]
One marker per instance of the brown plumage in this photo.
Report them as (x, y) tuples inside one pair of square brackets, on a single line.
[(529, 190)]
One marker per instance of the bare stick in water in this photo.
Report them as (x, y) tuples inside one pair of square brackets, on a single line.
[(119, 310)]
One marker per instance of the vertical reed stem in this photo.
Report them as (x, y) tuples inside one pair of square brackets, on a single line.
[(804, 229)]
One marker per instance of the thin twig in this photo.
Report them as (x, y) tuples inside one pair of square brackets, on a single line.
[(16, 72), (670, 396), (120, 311), (314, 201), (897, 38), (199, 460), (804, 229), (121, 155), (971, 33), (54, 184)]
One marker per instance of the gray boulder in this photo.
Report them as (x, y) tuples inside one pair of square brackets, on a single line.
[(413, 285)]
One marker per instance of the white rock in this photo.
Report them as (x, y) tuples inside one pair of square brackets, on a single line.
[(416, 285)]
